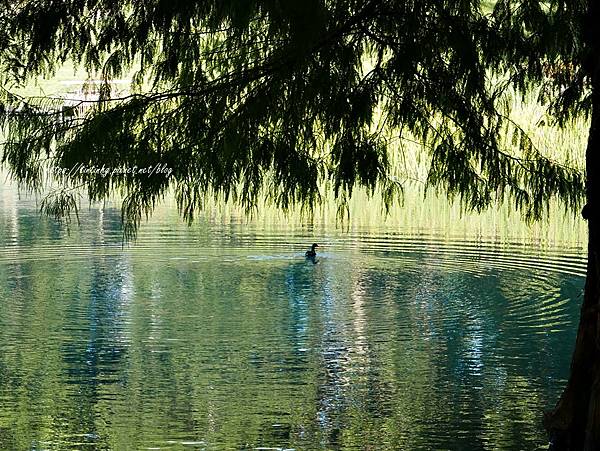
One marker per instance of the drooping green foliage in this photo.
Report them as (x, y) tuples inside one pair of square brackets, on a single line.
[(282, 100)]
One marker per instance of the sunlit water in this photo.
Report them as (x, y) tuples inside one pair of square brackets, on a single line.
[(223, 336)]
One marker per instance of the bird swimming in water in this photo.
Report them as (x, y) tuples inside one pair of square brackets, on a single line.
[(312, 253)]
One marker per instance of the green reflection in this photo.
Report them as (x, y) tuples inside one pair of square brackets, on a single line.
[(222, 336)]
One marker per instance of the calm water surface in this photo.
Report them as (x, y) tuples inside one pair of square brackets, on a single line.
[(223, 337)]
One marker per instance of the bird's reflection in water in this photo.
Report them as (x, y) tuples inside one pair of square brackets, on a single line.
[(312, 259)]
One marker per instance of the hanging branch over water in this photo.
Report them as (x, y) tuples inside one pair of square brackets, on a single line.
[(270, 100)]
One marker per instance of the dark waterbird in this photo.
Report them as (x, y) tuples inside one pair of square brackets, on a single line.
[(312, 252)]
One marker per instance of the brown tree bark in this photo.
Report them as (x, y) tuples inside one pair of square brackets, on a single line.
[(574, 425)]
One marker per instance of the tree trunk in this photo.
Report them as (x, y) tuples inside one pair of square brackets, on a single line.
[(574, 425)]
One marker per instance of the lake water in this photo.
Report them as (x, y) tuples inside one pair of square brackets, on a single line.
[(427, 332)]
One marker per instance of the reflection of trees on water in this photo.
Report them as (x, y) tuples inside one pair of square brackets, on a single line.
[(96, 346), (299, 290), (312, 302), (330, 309), (67, 355), (345, 354), (334, 364), (445, 344)]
